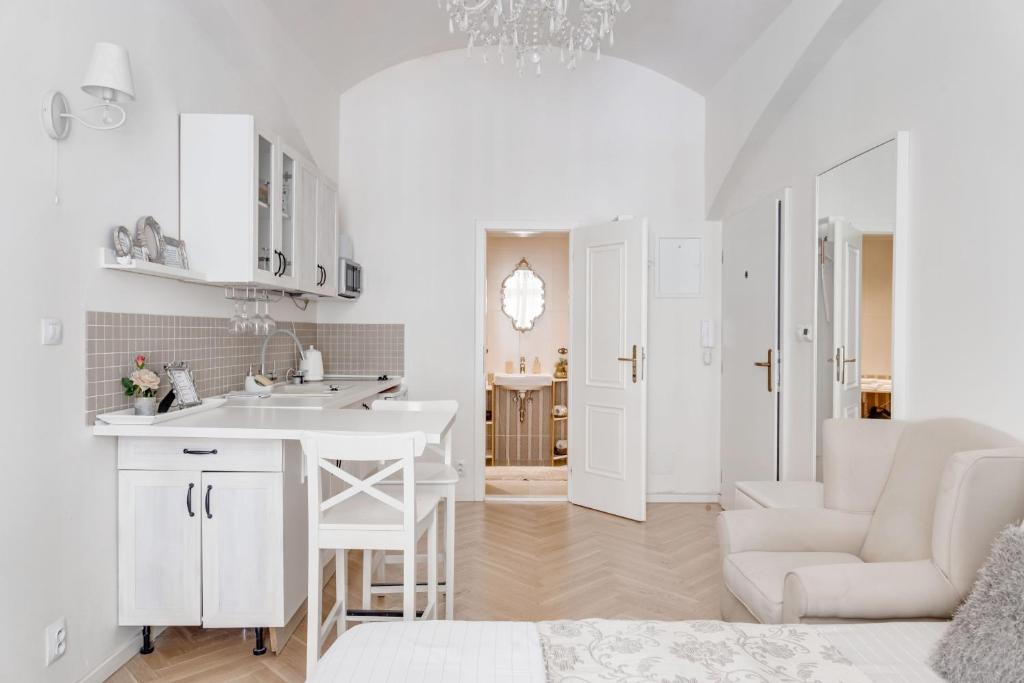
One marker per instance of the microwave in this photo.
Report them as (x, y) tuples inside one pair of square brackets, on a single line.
[(350, 278)]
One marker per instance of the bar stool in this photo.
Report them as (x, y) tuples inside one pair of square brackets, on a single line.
[(366, 516), (434, 474)]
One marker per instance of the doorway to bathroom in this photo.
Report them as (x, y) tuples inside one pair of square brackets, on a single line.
[(526, 340)]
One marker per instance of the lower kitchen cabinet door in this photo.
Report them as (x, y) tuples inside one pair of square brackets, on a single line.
[(243, 549), (158, 548)]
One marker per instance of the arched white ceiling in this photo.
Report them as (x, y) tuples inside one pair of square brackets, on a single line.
[(691, 41)]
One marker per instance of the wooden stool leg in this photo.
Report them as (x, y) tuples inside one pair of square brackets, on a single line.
[(432, 567), (449, 554), (341, 587), (367, 578), (409, 583)]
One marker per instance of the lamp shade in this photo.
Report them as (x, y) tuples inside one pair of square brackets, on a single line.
[(110, 74)]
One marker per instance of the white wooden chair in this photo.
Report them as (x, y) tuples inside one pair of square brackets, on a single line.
[(365, 515), (434, 474)]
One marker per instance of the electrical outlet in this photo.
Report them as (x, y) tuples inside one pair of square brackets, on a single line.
[(460, 467), (56, 640)]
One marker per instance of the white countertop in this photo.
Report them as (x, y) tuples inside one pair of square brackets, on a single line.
[(245, 422)]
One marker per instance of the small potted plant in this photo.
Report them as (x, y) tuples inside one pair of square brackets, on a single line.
[(142, 385)]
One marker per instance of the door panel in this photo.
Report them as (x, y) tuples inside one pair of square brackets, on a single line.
[(849, 251), (158, 549), (750, 345), (609, 325), (308, 189), (327, 237), (242, 549)]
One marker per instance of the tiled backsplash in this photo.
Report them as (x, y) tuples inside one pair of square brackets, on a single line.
[(219, 361)]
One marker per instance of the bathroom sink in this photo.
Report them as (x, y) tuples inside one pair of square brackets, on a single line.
[(522, 382)]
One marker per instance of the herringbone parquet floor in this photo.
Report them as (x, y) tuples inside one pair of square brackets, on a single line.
[(513, 562)]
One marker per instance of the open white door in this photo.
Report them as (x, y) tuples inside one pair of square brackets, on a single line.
[(849, 249), (750, 345), (608, 389)]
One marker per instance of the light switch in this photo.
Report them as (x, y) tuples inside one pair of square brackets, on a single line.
[(53, 331), (805, 333)]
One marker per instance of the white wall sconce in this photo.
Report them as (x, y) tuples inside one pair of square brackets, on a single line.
[(109, 79)]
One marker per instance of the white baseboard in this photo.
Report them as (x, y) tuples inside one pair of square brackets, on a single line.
[(682, 497), (109, 666), (526, 499)]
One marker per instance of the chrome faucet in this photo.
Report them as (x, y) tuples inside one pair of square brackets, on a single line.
[(522, 365), (263, 351)]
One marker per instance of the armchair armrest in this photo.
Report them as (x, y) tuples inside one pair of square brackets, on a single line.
[(872, 591), (792, 530)]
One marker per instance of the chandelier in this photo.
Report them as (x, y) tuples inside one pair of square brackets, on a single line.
[(529, 29)]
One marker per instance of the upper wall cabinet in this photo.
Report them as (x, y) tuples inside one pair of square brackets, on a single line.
[(249, 206)]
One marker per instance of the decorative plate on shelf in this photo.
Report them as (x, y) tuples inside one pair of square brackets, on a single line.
[(149, 235), (122, 242)]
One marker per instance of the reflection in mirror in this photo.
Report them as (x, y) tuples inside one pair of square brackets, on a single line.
[(522, 296), (856, 224)]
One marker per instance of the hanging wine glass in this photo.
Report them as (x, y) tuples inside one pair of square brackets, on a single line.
[(236, 325)]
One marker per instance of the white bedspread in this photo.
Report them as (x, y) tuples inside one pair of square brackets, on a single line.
[(891, 652), (434, 651), (632, 651)]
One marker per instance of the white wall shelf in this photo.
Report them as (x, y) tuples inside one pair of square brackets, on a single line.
[(108, 260)]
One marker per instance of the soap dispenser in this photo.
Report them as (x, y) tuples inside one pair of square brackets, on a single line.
[(536, 365)]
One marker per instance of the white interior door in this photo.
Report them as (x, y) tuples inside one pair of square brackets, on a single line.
[(750, 345), (849, 249), (608, 389)]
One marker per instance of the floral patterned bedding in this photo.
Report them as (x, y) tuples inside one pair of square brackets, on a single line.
[(689, 651)]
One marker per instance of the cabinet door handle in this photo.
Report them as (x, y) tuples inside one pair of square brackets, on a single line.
[(280, 264), (191, 451), (320, 275), (209, 487), (188, 500), (323, 277)]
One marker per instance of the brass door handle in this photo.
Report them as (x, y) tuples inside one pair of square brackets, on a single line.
[(842, 373), (771, 369), (632, 360)]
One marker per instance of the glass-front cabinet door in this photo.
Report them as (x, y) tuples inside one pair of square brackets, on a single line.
[(286, 241), (267, 259)]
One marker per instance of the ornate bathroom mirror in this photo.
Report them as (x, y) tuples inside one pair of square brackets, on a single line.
[(522, 296)]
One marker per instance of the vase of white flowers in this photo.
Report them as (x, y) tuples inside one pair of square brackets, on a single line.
[(142, 385)]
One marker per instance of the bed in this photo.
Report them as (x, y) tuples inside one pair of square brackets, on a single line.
[(630, 651)]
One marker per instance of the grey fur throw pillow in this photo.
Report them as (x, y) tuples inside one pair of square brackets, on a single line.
[(985, 642)]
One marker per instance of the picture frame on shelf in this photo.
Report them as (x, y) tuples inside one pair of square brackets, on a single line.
[(175, 254), (183, 384)]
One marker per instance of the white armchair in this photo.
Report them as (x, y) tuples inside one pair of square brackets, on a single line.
[(910, 510)]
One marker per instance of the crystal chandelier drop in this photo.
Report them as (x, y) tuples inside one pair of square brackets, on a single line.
[(528, 29)]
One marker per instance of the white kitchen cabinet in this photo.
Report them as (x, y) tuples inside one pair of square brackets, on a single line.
[(242, 549), (309, 273), (159, 548), (327, 238), (237, 199), (219, 541)]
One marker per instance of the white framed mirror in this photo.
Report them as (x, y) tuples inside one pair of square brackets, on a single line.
[(861, 280), (522, 296)]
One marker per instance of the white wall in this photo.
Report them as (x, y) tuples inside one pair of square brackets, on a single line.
[(862, 190), (943, 77), (548, 255), (430, 146), (59, 502)]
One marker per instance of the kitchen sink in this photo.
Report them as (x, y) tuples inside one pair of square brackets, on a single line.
[(522, 382), (309, 389)]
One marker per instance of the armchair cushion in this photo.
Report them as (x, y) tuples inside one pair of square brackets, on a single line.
[(779, 494), (858, 455), (757, 578), (791, 529), (901, 528), (871, 591), (980, 493)]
